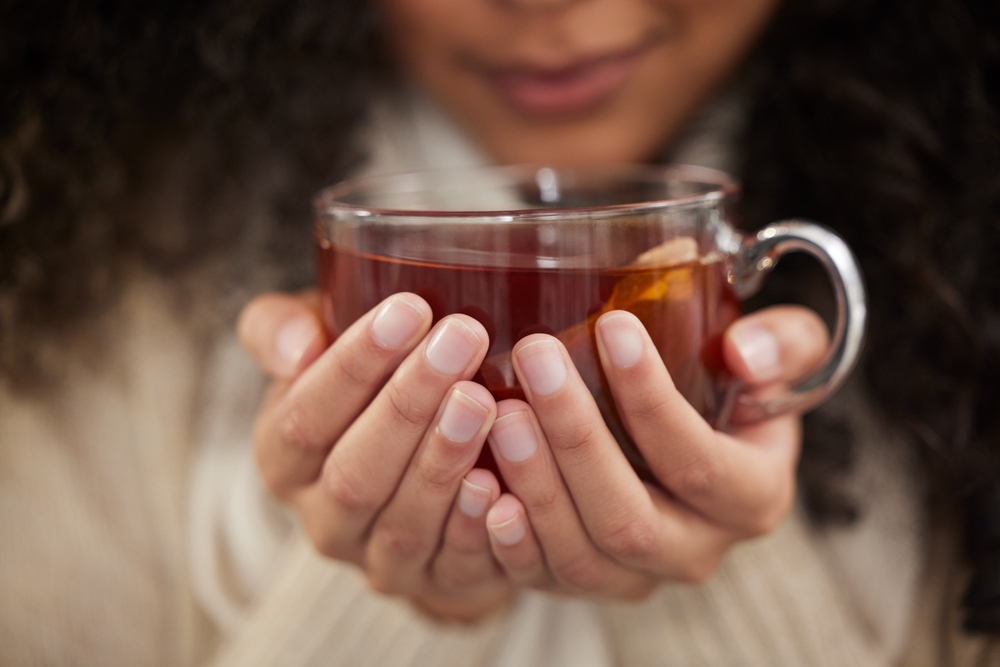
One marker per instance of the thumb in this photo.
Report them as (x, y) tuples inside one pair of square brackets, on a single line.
[(777, 344), (282, 332)]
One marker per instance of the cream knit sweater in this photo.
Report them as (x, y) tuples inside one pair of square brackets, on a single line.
[(134, 532)]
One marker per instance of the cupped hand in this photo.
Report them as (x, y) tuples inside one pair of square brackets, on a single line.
[(373, 438), (579, 519)]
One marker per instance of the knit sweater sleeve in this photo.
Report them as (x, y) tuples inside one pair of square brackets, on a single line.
[(316, 611), (803, 595)]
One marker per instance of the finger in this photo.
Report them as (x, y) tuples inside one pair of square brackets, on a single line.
[(409, 529), (531, 472), (362, 472), (464, 564), (465, 579), (776, 446), (283, 333), (515, 546), (739, 484), (584, 451), (621, 516), (295, 432), (777, 344)]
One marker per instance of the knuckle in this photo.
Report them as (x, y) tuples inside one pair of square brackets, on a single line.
[(697, 570), (763, 524), (403, 408), (697, 479), (399, 543), (648, 404), (350, 366), (580, 440), (380, 582), (581, 573), (545, 502), (324, 543), (774, 512), (438, 477), (631, 541), (295, 429), (266, 472), (344, 491)]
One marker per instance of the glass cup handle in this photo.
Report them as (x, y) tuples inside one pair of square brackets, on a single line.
[(751, 264)]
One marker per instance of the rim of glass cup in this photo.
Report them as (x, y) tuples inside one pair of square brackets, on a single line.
[(719, 185)]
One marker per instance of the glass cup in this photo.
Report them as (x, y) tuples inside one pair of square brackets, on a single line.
[(548, 250)]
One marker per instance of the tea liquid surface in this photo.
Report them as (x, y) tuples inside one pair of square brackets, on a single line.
[(684, 307)]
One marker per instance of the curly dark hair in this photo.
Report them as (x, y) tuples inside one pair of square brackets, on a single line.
[(882, 119), (95, 99), (878, 117)]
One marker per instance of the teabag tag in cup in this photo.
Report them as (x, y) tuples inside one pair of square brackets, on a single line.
[(673, 284), (631, 293)]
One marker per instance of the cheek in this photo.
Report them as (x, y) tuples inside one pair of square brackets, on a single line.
[(424, 36), (416, 29), (675, 82), (713, 36)]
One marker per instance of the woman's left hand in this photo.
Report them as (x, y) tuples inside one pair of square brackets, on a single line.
[(579, 519)]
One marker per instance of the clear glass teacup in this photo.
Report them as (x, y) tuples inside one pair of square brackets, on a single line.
[(548, 250)]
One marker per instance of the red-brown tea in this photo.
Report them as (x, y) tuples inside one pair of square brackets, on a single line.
[(684, 307)]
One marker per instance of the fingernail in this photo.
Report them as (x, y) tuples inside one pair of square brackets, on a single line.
[(758, 348), (508, 532), (462, 417), (473, 500), (514, 437), (452, 347), (293, 340), (396, 322), (543, 367), (622, 340)]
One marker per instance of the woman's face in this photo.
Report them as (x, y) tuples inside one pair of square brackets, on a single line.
[(572, 81)]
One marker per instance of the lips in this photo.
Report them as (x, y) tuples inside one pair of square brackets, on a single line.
[(574, 89)]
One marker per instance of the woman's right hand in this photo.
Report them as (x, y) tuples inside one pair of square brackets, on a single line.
[(373, 438), (579, 519)]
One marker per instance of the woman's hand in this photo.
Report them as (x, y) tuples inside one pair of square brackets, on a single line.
[(373, 440), (579, 519)]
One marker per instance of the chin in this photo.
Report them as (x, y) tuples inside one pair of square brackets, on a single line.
[(559, 148), (571, 143), (606, 136)]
